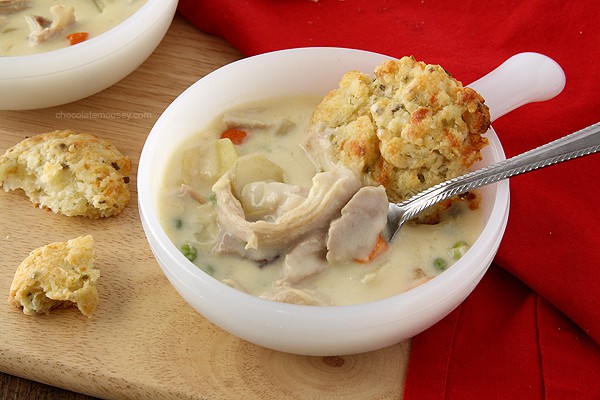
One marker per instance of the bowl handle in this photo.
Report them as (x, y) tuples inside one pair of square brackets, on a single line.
[(523, 78)]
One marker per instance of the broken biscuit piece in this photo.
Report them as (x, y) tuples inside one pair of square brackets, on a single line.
[(75, 174), (60, 274)]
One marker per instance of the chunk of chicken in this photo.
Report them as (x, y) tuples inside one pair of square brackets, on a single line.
[(307, 258), (11, 6), (289, 294), (354, 235), (244, 119), (187, 190), (42, 30), (252, 119)]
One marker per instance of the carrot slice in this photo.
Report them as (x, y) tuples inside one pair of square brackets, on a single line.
[(77, 37), (237, 136), (380, 247)]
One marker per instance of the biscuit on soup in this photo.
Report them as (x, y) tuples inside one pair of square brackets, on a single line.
[(408, 128)]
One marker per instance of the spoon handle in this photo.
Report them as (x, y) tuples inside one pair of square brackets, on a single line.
[(580, 143)]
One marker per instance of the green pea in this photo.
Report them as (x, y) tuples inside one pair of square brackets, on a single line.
[(189, 252), (458, 250), (440, 264), (177, 223), (209, 269)]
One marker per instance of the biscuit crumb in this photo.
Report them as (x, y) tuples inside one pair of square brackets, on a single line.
[(60, 274), (75, 174)]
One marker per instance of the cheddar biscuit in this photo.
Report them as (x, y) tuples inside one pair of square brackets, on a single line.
[(408, 128), (60, 274), (75, 174)]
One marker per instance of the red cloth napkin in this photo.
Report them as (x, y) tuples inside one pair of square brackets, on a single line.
[(531, 329)]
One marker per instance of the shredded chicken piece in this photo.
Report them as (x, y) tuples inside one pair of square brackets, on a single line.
[(330, 191), (307, 258), (42, 30), (251, 120), (99, 4), (244, 120), (289, 294), (187, 190), (12, 6), (234, 284)]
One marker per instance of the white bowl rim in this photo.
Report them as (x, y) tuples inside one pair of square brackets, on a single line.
[(494, 227)]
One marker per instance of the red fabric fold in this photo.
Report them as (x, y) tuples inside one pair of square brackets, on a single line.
[(504, 342), (531, 328)]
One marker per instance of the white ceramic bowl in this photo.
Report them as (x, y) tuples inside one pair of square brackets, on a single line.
[(72, 73), (309, 330)]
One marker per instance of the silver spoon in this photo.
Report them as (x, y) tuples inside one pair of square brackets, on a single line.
[(578, 144)]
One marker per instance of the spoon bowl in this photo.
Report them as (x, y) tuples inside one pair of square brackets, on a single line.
[(578, 144)]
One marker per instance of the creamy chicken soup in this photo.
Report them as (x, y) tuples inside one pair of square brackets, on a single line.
[(37, 26), (244, 202)]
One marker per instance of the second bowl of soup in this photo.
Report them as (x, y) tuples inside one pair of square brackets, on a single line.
[(54, 53)]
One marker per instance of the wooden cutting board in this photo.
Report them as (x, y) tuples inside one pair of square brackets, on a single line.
[(144, 340)]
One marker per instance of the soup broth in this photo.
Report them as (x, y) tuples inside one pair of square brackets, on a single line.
[(275, 129)]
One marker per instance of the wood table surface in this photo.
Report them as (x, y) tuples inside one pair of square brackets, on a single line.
[(144, 341)]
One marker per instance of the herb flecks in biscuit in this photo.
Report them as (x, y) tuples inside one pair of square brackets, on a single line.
[(408, 128), (59, 274), (75, 174)]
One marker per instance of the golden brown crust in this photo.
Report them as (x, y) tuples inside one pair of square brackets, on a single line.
[(75, 174), (59, 274), (410, 127)]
